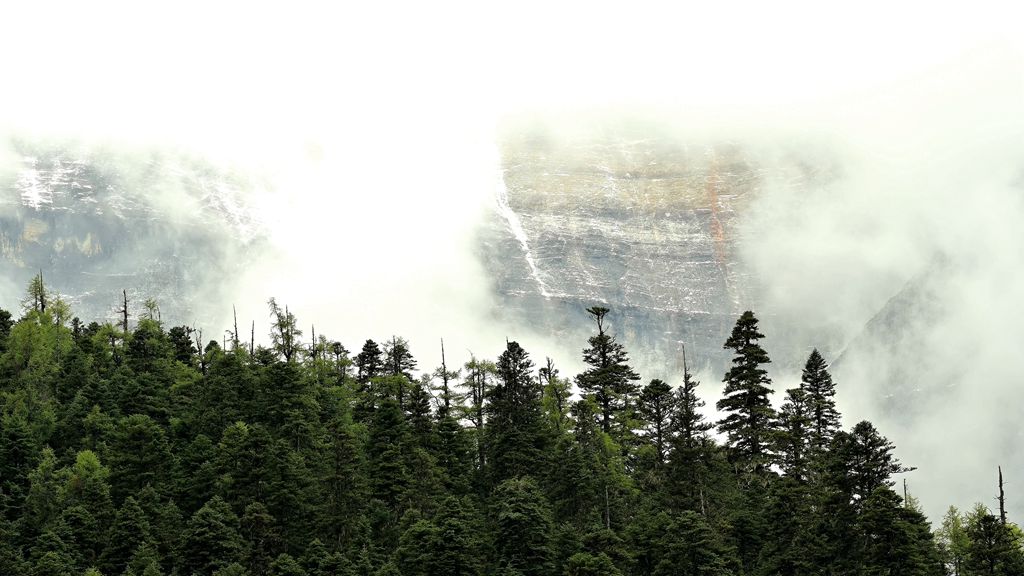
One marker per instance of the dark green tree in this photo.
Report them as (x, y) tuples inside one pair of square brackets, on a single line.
[(212, 540), (129, 532), (820, 402), (139, 455), (523, 527), (609, 380), (749, 419), (691, 548), (992, 549), (657, 407), (516, 435), (369, 362)]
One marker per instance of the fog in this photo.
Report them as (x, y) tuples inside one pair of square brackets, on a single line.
[(374, 130)]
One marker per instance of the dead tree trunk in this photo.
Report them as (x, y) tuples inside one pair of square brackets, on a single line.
[(1002, 499), (234, 335), (444, 382), (124, 311)]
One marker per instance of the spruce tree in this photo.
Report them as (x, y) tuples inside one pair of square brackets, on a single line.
[(992, 550), (750, 417), (516, 438), (691, 548), (369, 362), (609, 380), (688, 423), (792, 433), (398, 361), (130, 530), (212, 540), (820, 402), (555, 396), (523, 527), (657, 407)]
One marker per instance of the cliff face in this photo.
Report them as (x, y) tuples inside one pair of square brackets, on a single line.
[(158, 226), (633, 217), (646, 226)]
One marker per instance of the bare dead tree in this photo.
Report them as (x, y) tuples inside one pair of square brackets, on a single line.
[(1002, 499), (123, 311), (234, 335), (199, 349)]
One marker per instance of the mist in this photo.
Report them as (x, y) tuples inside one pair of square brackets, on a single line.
[(373, 134)]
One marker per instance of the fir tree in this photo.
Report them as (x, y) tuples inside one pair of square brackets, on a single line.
[(284, 331), (657, 406), (129, 532), (523, 527), (212, 540), (369, 362), (820, 402), (691, 548), (992, 550), (792, 433), (748, 424), (516, 439), (609, 380)]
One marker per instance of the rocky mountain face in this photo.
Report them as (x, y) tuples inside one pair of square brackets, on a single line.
[(646, 225), (96, 223)]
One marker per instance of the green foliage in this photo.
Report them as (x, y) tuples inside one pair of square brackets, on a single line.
[(992, 549), (516, 435), (610, 381), (821, 412), (212, 541), (523, 527), (749, 418), (136, 453)]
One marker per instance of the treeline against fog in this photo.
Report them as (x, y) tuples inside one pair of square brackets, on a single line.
[(133, 448)]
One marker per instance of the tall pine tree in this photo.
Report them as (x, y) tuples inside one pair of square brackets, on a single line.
[(750, 417)]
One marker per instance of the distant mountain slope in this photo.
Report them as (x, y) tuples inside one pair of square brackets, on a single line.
[(94, 222), (638, 221)]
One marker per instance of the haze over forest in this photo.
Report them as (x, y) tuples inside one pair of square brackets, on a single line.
[(369, 156)]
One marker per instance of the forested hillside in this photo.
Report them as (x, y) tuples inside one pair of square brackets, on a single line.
[(140, 449)]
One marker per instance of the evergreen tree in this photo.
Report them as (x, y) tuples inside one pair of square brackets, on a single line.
[(139, 455), (555, 396), (748, 424), (523, 527), (861, 461), (285, 565), (657, 406), (516, 438), (457, 548), (398, 361), (129, 532), (820, 402), (691, 548), (212, 541), (478, 384), (793, 430), (897, 538), (284, 332), (609, 380), (369, 362), (689, 459), (992, 548)]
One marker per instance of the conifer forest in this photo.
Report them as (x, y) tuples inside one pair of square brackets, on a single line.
[(135, 448)]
